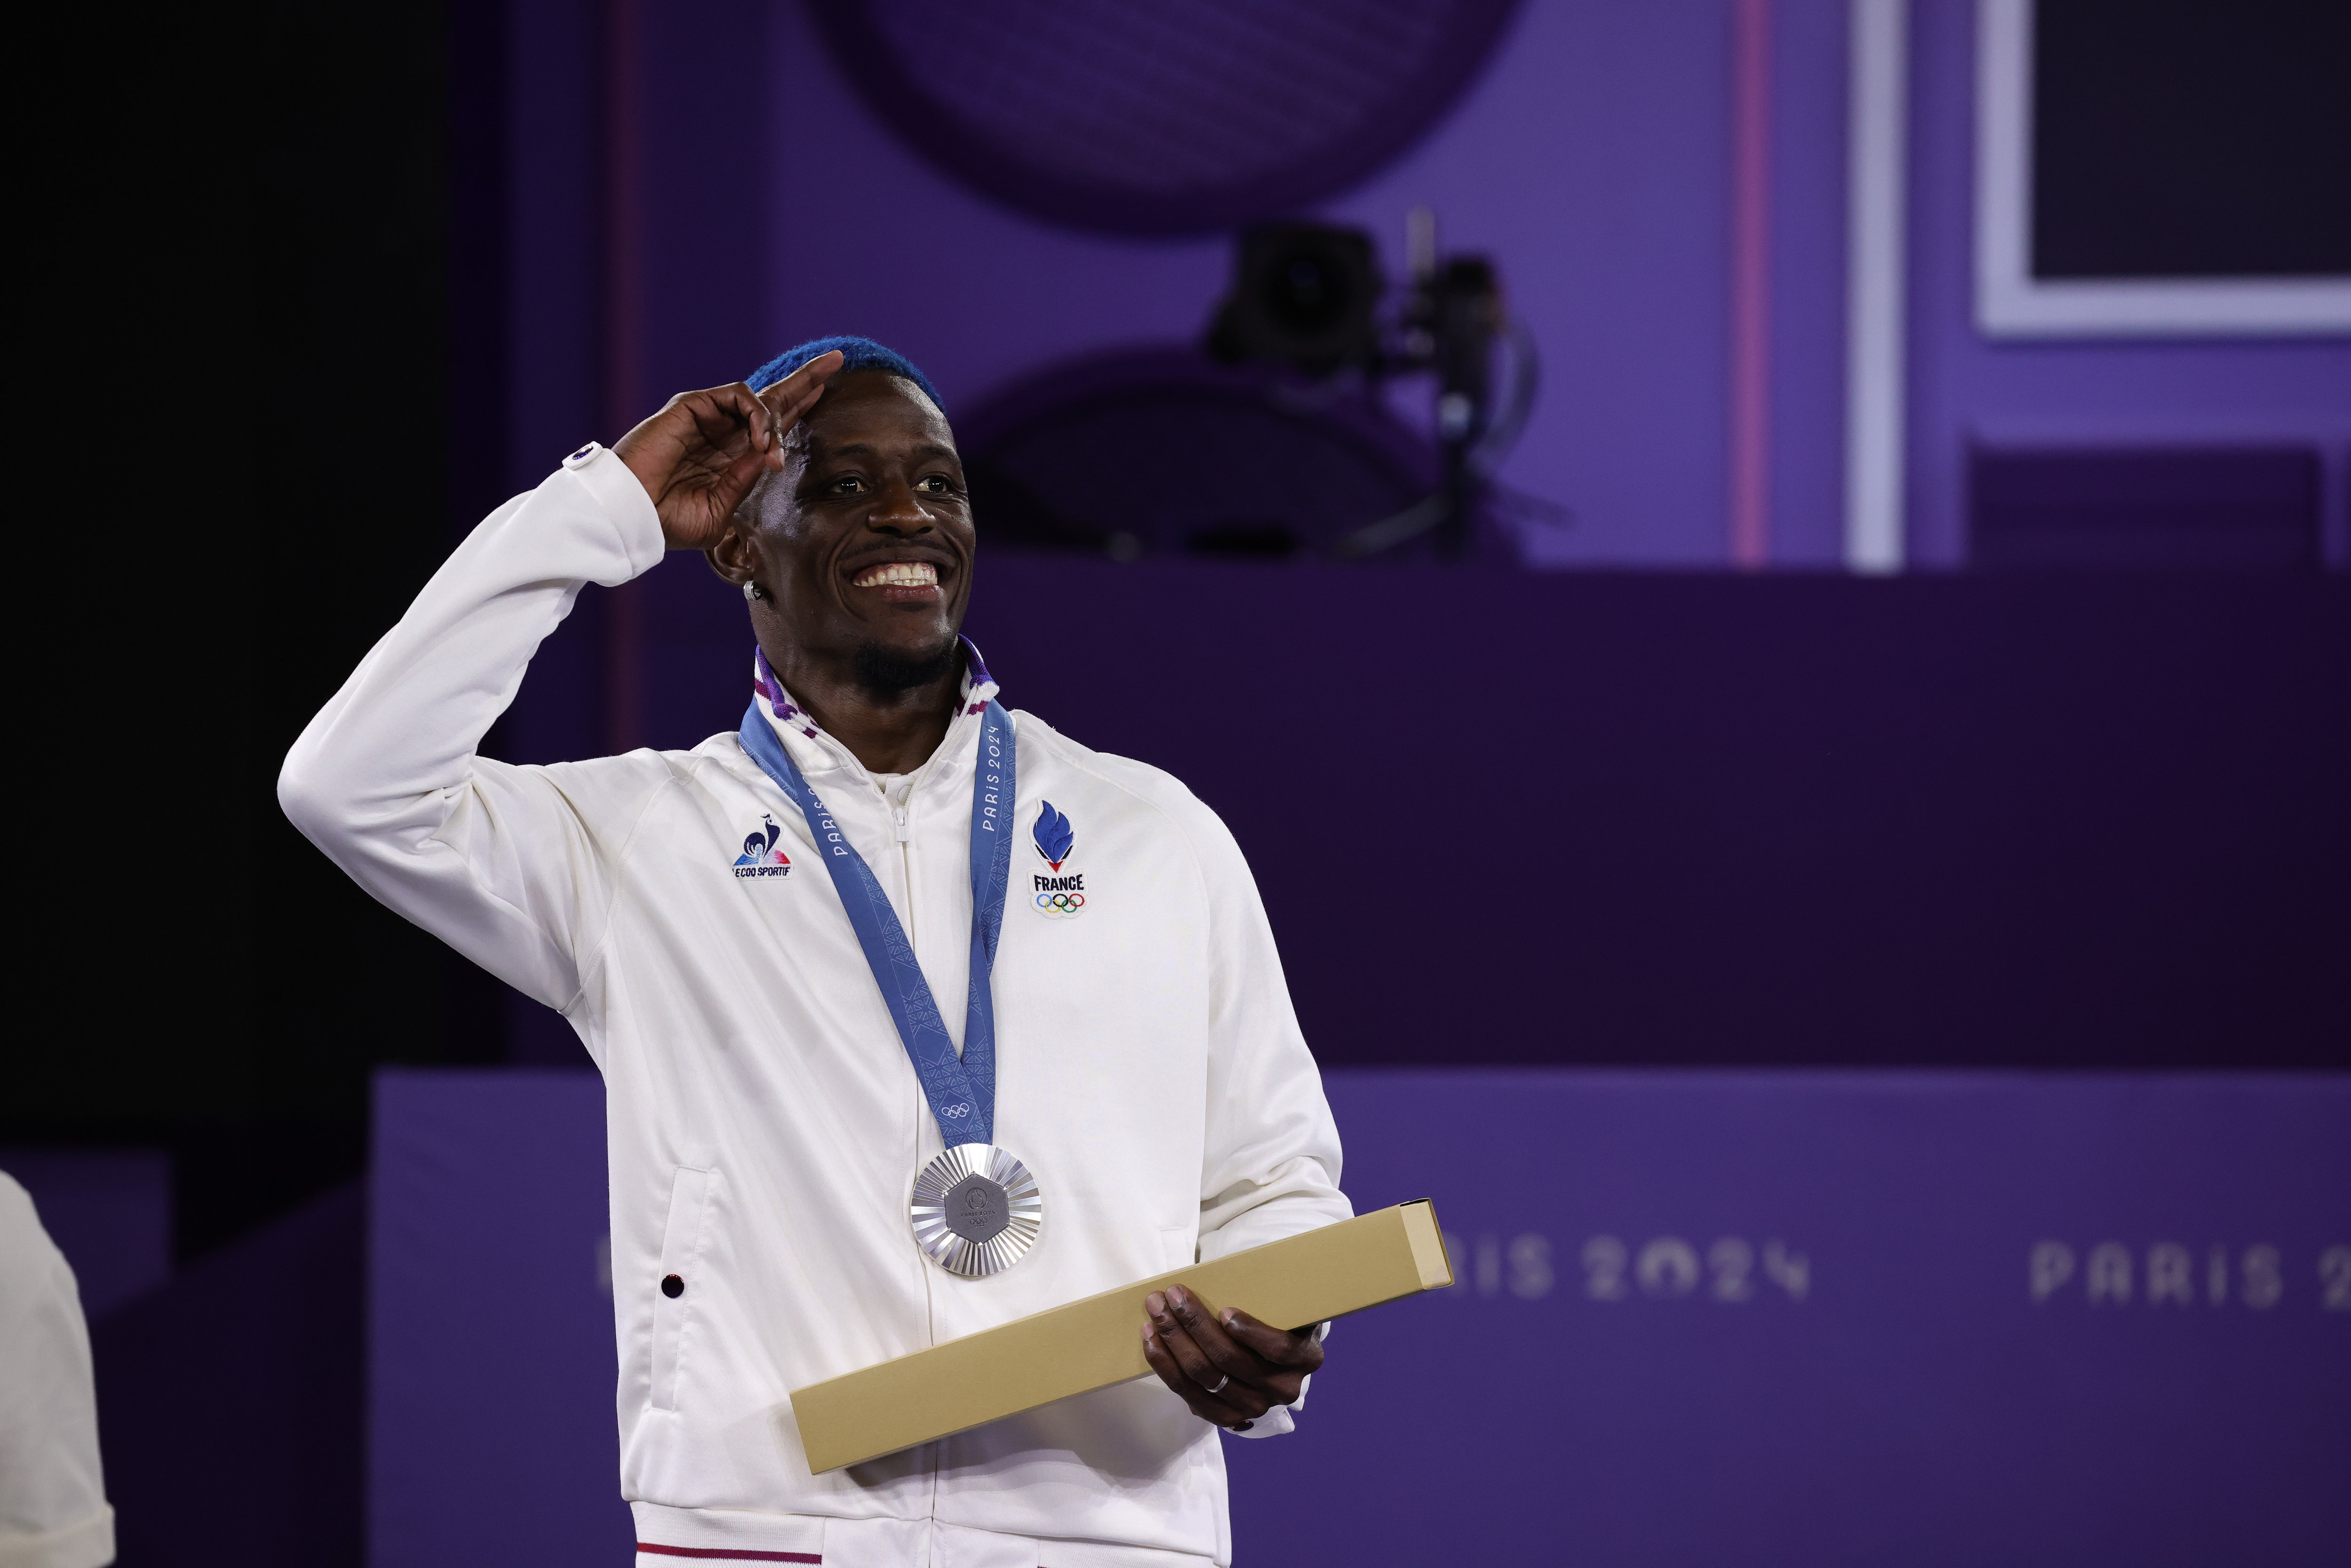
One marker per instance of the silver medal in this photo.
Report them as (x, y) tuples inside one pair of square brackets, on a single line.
[(976, 1210)]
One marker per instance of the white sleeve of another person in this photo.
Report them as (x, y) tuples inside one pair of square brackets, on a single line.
[(53, 1508)]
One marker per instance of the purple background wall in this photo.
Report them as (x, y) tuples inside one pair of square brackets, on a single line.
[(491, 1323), (1599, 818), (2096, 813), (1592, 159), (1785, 1319)]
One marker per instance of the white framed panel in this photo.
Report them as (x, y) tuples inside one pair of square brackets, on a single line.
[(2011, 303)]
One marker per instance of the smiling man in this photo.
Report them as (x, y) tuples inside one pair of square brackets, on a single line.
[(915, 1016)]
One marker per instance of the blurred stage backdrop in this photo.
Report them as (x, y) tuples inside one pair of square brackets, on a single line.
[(1841, 507)]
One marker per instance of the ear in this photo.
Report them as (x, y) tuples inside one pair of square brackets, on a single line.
[(736, 556)]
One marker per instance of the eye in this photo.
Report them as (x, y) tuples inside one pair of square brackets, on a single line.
[(934, 484), (847, 484)]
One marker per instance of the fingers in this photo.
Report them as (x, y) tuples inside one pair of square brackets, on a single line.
[(1279, 1346), (1237, 1343), (809, 378), (785, 401), (1191, 1353), (699, 456), (1222, 1409), (1249, 1364), (735, 430)]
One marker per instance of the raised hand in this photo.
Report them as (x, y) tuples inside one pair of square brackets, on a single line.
[(1229, 1368), (700, 455)]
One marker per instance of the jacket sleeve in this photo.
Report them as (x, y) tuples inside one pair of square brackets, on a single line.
[(507, 864), (1271, 1165), (53, 1507)]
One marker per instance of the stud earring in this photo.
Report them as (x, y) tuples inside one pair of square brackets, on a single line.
[(754, 592)]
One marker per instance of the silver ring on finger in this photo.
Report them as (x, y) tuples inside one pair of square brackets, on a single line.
[(1219, 1389)]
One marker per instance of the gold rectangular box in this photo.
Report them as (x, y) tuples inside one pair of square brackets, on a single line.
[(1094, 1343)]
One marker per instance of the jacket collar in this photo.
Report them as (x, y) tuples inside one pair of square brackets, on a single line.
[(816, 751)]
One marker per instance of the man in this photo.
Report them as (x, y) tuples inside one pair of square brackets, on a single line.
[(797, 953)]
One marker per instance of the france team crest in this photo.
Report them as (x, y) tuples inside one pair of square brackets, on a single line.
[(760, 857), (1062, 894)]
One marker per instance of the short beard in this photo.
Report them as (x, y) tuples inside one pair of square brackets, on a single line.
[(886, 672)]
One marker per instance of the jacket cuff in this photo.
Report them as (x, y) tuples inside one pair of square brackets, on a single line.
[(89, 1545), (1275, 1423), (621, 497)]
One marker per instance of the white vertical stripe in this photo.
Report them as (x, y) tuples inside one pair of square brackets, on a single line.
[(2003, 155), (1877, 147)]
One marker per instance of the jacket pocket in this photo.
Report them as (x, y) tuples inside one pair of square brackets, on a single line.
[(681, 1282)]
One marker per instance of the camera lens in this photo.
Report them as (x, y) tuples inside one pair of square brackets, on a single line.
[(1306, 296), (1302, 294)]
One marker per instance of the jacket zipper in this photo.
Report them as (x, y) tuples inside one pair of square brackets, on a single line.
[(904, 833)]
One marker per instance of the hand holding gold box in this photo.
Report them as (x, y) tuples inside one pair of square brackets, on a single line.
[(1092, 1344)]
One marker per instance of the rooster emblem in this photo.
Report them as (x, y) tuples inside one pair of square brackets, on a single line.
[(759, 849)]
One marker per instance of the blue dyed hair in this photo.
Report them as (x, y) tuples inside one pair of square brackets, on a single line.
[(861, 355)]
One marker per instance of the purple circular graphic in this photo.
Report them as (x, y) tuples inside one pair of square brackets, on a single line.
[(1180, 116)]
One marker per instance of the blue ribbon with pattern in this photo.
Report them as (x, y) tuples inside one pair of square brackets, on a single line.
[(961, 1089)]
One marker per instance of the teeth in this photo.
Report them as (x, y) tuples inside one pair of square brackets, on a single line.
[(898, 574)]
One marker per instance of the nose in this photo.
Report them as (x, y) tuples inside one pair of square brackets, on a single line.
[(898, 510)]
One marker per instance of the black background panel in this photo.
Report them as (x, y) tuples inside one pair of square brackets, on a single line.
[(2191, 139)]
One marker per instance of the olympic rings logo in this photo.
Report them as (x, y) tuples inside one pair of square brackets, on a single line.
[(1062, 903)]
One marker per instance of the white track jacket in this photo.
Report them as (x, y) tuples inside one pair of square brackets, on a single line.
[(764, 1123)]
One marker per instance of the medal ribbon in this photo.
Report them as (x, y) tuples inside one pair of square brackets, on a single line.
[(961, 1089)]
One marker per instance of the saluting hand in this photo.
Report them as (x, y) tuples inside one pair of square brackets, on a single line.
[(700, 455), (1228, 1367)]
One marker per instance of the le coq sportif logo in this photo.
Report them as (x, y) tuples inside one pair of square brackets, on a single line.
[(760, 857)]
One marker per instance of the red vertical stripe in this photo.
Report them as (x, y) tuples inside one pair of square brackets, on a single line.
[(1750, 284)]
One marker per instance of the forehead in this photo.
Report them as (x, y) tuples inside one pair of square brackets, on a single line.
[(874, 407)]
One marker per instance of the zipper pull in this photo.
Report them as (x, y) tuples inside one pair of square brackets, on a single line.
[(903, 834)]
